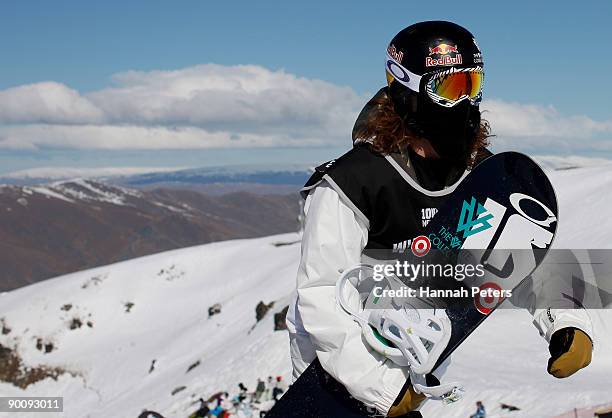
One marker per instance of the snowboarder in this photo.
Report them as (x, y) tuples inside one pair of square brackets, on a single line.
[(220, 401), (480, 411), (242, 395), (202, 411), (267, 395), (413, 143), (259, 390), (279, 388)]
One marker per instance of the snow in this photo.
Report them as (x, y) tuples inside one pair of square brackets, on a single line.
[(584, 207), (47, 192), (171, 208), (171, 293), (555, 162), (91, 192), (82, 190), (503, 361)]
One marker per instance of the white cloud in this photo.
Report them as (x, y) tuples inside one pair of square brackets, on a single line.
[(236, 106), (243, 98), (115, 137), (530, 120), (46, 102), (196, 107), (537, 128)]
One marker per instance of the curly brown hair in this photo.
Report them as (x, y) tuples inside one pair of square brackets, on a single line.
[(387, 132)]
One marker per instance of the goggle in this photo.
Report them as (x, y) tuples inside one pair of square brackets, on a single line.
[(447, 88)]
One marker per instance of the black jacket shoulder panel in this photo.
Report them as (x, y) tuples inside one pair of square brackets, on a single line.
[(394, 211), (354, 175), (345, 169)]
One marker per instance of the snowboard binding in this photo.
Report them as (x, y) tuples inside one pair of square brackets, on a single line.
[(393, 326)]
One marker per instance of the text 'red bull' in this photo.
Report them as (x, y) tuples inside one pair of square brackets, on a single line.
[(443, 51)]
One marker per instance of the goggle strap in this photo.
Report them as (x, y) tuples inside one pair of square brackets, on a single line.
[(402, 75)]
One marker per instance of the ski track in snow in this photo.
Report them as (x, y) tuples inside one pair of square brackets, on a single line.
[(503, 361)]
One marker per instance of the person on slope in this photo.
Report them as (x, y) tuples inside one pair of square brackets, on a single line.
[(243, 392), (202, 411), (259, 390), (267, 394), (278, 389), (413, 143), (480, 411)]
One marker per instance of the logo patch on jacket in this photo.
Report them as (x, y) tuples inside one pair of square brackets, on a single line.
[(427, 215)]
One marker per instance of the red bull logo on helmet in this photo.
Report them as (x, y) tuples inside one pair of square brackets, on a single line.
[(443, 49), (444, 54)]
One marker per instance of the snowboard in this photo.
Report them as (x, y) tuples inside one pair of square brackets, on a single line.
[(503, 215)]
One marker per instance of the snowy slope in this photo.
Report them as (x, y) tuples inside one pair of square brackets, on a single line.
[(171, 293), (585, 206), (504, 361), (553, 162)]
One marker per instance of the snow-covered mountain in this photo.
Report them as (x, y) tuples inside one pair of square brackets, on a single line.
[(155, 308), (280, 174), (66, 226), (65, 173)]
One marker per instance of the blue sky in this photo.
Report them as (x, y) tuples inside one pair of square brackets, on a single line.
[(548, 56)]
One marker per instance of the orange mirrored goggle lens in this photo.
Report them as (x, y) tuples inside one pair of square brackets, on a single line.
[(453, 86)]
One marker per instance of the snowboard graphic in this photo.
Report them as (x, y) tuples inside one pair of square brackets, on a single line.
[(503, 215)]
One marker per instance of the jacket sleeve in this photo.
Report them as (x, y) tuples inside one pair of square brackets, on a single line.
[(548, 321), (334, 237), (554, 287)]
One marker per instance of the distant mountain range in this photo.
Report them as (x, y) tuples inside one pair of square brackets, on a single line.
[(220, 180), (64, 226), (260, 175), (293, 175), (51, 227), (286, 175)]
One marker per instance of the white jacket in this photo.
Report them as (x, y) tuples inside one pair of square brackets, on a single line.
[(333, 240)]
